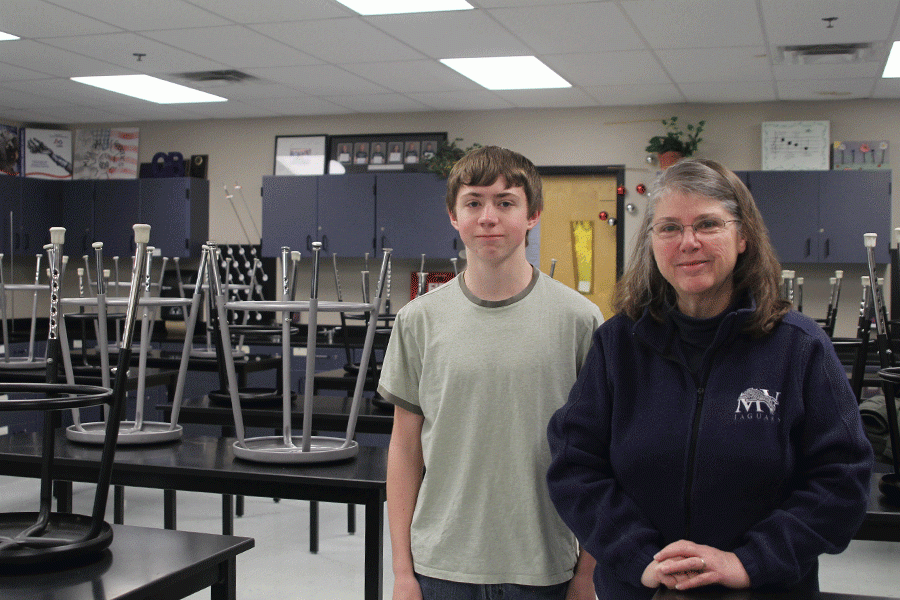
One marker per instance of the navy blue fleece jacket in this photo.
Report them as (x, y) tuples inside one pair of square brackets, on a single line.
[(763, 454)]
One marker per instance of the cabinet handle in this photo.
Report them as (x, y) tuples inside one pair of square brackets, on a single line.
[(16, 240), (384, 243), (325, 243), (84, 242), (808, 247), (309, 243), (26, 238), (827, 247)]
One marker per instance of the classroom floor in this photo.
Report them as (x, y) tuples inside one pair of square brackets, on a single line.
[(280, 565)]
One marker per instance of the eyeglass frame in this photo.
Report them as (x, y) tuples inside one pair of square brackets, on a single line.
[(680, 234)]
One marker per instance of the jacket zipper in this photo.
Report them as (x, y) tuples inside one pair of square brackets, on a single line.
[(689, 480)]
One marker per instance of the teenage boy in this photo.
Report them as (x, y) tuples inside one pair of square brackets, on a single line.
[(475, 369)]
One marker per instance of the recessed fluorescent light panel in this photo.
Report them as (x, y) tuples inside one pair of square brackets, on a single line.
[(149, 88), (7, 36), (396, 7), (508, 72), (892, 68)]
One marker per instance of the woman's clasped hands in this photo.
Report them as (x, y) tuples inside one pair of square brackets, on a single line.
[(684, 565)]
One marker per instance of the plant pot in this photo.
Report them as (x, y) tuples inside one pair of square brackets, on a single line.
[(667, 159)]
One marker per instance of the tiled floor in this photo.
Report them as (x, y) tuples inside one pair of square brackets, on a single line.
[(280, 565)]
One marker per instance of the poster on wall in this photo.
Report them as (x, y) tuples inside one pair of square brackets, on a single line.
[(106, 153), (861, 156), (48, 153), (10, 157), (796, 145), (300, 154)]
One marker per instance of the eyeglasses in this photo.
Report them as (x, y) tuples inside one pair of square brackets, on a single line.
[(704, 228)]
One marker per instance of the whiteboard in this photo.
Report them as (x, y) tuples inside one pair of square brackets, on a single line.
[(796, 145)]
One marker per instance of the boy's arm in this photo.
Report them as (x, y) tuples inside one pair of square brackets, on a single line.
[(404, 477), (582, 584)]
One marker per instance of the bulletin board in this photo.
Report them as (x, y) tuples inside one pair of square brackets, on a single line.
[(796, 145)]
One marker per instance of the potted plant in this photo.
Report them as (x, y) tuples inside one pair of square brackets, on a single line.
[(677, 142), (446, 156)]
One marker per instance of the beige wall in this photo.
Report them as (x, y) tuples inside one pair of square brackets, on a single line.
[(241, 151)]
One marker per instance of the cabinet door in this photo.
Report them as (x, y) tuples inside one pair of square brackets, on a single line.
[(78, 216), (346, 211), (853, 203), (411, 216), (166, 205), (789, 203), (40, 209), (10, 199), (116, 210), (288, 213)]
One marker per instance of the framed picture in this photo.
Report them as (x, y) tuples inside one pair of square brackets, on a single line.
[(382, 151), (300, 154), (796, 145)]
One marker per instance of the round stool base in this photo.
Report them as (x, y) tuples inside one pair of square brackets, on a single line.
[(272, 449), (70, 529), (149, 433)]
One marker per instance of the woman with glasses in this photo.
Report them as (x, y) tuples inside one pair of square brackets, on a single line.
[(712, 437)]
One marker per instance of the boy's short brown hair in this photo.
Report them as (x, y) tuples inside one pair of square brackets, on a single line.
[(483, 166)]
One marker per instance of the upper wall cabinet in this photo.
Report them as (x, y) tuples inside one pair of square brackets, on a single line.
[(355, 214), (177, 210), (100, 211), (411, 216), (821, 216)]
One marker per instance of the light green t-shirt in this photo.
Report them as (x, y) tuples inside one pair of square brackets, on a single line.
[(487, 376)]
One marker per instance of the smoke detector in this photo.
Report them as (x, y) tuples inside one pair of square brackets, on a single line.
[(825, 54)]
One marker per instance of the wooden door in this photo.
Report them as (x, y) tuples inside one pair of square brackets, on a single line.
[(580, 199)]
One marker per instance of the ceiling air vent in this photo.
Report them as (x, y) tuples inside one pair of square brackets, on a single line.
[(825, 54), (227, 76)]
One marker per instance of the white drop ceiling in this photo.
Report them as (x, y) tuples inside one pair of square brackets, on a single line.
[(312, 57)]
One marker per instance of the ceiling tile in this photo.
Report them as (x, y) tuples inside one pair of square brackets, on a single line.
[(558, 98), (322, 80), (717, 64), (696, 23), (36, 18), (820, 89), (828, 71), (729, 91), (339, 40), (539, 27), (42, 58), (378, 103), (120, 48), (234, 45), (471, 100), (800, 21), (456, 34), (273, 11), (413, 76), (142, 16), (631, 95), (630, 67)]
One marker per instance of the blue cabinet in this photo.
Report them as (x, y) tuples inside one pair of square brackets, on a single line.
[(177, 210), (353, 214), (100, 211), (38, 211), (821, 216), (411, 216)]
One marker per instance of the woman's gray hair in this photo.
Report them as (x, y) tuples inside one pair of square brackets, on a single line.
[(643, 287)]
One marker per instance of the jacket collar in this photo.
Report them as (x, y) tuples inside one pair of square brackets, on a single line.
[(661, 336)]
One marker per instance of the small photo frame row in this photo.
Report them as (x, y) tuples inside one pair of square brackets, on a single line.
[(383, 152), (321, 154)]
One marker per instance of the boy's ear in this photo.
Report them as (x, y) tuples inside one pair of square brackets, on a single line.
[(453, 220), (533, 220)]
